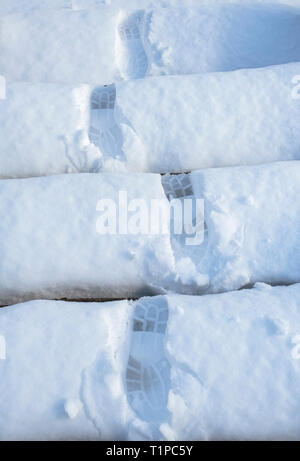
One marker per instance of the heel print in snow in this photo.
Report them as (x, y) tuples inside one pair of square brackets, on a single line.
[(148, 371), (104, 132), (130, 52)]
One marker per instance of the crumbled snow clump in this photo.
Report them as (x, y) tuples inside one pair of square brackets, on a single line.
[(168, 367), (72, 408)]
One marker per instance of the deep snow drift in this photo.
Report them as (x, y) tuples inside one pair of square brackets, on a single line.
[(159, 124), (163, 368), (58, 241)]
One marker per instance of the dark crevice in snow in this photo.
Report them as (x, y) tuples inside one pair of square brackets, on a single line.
[(77, 300)]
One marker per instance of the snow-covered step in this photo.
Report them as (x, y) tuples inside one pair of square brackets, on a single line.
[(185, 3), (59, 45), (181, 123), (252, 216), (235, 363), (208, 39), (44, 130), (158, 124), (101, 44), (62, 373), (164, 368), (92, 236), (64, 237)]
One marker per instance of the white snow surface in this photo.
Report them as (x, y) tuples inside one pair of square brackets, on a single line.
[(187, 3), (243, 117), (51, 246), (230, 368), (44, 130), (81, 44), (253, 227), (234, 366), (11, 6), (57, 353), (61, 45), (208, 39), (180, 123)]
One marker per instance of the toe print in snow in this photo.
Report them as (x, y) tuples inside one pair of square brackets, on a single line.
[(179, 187), (148, 371), (130, 53), (104, 98), (150, 315), (176, 186), (104, 132)]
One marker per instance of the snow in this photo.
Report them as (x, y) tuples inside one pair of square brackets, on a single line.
[(63, 352), (72, 408), (182, 356), (82, 128), (10, 6), (63, 46), (252, 215), (44, 130), (96, 43), (235, 378), (51, 246), (233, 118), (250, 234), (209, 39)]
